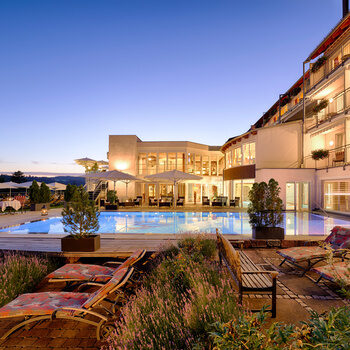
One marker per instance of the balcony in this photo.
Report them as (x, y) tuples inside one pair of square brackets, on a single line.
[(337, 157)]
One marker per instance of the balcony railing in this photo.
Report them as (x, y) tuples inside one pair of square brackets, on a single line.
[(336, 157)]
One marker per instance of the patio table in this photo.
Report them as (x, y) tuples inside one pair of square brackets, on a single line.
[(15, 204)]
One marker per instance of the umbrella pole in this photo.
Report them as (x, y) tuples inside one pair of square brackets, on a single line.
[(174, 195)]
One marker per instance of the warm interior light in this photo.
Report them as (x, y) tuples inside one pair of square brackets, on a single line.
[(331, 143), (331, 100), (121, 166)]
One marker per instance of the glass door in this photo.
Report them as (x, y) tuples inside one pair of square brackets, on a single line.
[(297, 196)]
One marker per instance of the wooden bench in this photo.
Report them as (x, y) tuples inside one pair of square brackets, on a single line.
[(248, 277), (339, 157)]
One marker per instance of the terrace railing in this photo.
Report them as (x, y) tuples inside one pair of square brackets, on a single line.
[(336, 157)]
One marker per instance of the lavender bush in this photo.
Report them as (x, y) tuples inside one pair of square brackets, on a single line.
[(20, 274)]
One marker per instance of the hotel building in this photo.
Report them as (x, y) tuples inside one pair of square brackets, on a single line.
[(281, 142), (312, 114), (141, 158)]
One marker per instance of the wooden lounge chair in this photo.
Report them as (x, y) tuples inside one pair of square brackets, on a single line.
[(35, 307), (77, 273), (335, 273), (338, 239)]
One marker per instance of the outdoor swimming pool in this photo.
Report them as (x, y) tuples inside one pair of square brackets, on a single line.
[(180, 222)]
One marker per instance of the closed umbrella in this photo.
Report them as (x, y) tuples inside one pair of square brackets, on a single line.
[(174, 176)]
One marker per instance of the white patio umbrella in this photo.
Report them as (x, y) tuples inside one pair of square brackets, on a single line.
[(174, 176), (27, 184), (8, 185), (56, 186), (113, 175)]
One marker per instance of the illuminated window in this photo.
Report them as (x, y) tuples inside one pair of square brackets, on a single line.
[(198, 165), (142, 163), (171, 161), (181, 162), (229, 159), (152, 163), (205, 167), (162, 162), (213, 167), (190, 163)]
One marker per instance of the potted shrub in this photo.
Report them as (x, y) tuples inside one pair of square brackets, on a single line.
[(112, 200), (322, 105), (265, 210), (39, 196), (319, 154), (318, 64), (80, 219)]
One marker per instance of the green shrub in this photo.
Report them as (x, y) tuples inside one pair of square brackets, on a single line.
[(247, 332), (111, 196)]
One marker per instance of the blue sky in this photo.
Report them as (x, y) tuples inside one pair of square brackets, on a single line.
[(74, 71)]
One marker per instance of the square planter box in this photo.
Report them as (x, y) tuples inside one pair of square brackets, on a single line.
[(84, 244), (268, 232), (39, 206)]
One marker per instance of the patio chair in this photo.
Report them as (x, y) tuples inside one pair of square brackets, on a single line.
[(35, 307), (180, 201), (166, 201), (338, 239), (205, 200), (138, 201), (152, 202), (77, 273)]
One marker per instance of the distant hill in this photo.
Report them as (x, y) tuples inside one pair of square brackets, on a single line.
[(74, 180)]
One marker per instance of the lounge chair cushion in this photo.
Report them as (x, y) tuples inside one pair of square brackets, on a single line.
[(96, 273), (338, 238), (83, 272), (298, 254), (34, 304), (106, 289), (335, 272)]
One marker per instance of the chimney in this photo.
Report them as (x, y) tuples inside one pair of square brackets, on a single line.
[(345, 7)]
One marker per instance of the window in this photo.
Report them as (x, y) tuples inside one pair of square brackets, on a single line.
[(181, 162), (213, 167), (162, 162), (142, 163), (336, 195), (190, 163), (246, 154), (152, 163), (237, 156), (252, 153), (171, 161), (205, 167), (229, 159), (198, 164)]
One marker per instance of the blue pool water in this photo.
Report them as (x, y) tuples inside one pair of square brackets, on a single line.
[(180, 222)]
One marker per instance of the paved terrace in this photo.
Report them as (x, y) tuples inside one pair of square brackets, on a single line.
[(297, 297)]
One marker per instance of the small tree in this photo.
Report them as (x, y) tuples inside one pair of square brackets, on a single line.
[(45, 193), (265, 207), (69, 192), (80, 218), (111, 196), (34, 192), (18, 177)]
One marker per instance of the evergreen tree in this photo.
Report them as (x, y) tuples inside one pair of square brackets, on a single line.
[(18, 177), (34, 192), (69, 192), (45, 193), (2, 178), (80, 217)]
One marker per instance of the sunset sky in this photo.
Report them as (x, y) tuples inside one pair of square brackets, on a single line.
[(74, 71)]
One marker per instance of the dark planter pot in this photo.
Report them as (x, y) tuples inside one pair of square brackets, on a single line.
[(84, 244), (111, 206), (268, 232), (39, 206)]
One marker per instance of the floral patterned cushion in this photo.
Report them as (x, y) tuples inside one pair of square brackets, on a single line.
[(298, 254), (338, 238), (83, 272), (335, 272), (108, 288), (42, 303)]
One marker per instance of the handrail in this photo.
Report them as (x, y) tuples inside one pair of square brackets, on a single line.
[(321, 209)]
